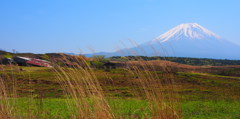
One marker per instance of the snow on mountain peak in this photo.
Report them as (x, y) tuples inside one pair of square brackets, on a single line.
[(188, 30)]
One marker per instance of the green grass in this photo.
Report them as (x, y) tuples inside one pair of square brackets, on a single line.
[(129, 108), (46, 108), (211, 109)]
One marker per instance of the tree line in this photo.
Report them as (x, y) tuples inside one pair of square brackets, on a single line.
[(182, 60)]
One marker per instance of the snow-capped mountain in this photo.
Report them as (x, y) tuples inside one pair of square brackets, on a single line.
[(190, 31), (185, 40)]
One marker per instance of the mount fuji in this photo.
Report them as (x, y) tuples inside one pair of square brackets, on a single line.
[(185, 40)]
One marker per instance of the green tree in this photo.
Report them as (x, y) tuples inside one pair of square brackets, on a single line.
[(7, 55), (98, 65), (46, 57), (99, 58)]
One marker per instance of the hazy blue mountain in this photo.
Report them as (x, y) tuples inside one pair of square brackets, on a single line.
[(184, 40)]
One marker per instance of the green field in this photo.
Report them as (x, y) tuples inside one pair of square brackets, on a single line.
[(129, 108), (37, 91)]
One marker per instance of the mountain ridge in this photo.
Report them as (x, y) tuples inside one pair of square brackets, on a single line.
[(184, 40)]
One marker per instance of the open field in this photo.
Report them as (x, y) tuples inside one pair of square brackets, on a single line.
[(34, 80), (130, 108), (206, 92)]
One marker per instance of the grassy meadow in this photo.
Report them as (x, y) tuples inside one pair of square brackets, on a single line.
[(136, 92)]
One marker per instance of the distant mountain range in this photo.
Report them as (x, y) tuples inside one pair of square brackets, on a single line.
[(184, 40)]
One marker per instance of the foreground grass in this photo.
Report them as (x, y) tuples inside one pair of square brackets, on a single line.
[(127, 108), (199, 92), (211, 109)]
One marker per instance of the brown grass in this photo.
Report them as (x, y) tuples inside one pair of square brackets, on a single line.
[(84, 92), (82, 85)]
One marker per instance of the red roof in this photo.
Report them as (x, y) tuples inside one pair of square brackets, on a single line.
[(38, 62)]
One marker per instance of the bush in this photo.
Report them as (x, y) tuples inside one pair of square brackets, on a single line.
[(97, 64), (7, 55)]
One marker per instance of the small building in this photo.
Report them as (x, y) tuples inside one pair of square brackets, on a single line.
[(38, 62), (25, 61)]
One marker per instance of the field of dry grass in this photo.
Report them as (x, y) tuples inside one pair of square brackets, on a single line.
[(154, 89)]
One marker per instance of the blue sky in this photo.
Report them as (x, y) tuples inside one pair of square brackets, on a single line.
[(42, 26)]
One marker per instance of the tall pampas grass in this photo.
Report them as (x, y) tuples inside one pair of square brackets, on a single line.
[(82, 86), (86, 98)]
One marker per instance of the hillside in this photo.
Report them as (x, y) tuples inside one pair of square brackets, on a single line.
[(116, 82), (205, 90)]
